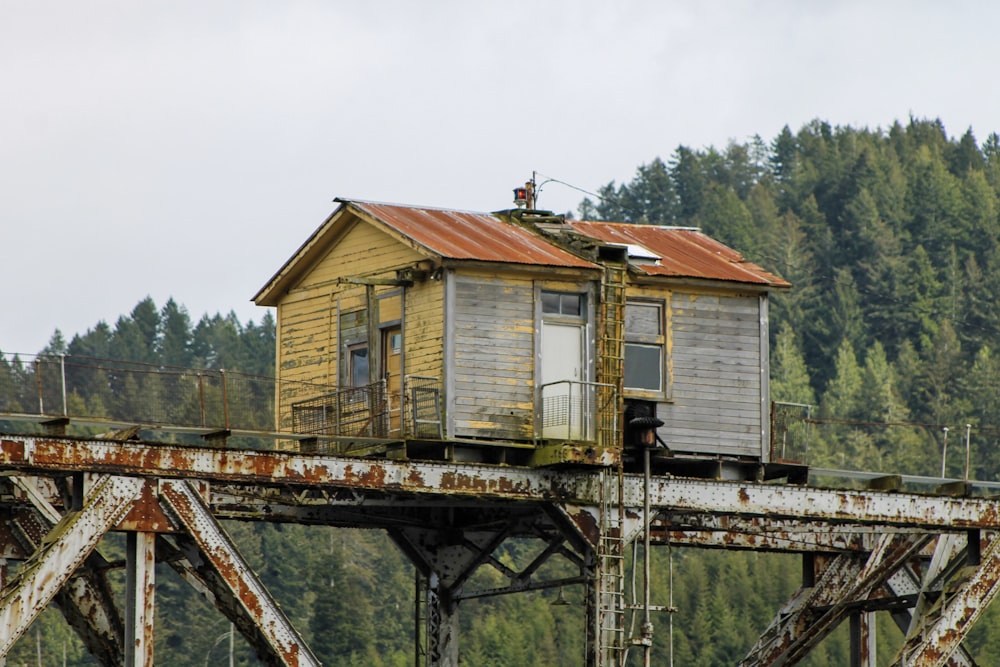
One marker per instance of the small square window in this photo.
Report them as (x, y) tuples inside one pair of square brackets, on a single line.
[(643, 367), (562, 303)]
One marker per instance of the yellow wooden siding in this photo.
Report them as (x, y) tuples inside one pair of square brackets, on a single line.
[(307, 319), (424, 329), (363, 250)]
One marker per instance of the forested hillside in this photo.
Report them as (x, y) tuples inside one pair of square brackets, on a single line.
[(891, 238)]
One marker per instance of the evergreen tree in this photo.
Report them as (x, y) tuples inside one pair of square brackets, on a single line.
[(175, 342)]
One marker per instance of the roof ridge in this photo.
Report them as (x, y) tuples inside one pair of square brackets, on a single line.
[(344, 200)]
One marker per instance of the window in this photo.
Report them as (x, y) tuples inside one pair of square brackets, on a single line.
[(644, 345), (395, 343), (358, 364), (562, 303)]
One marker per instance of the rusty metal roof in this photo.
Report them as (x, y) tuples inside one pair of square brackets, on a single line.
[(487, 237), (682, 253), (472, 236)]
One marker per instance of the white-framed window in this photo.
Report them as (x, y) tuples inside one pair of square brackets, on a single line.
[(645, 346), (565, 304)]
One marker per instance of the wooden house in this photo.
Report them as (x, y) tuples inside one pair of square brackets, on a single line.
[(400, 327)]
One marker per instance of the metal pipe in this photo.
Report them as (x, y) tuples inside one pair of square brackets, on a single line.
[(62, 373), (670, 603), (647, 624), (38, 381), (225, 398), (944, 451), (201, 396), (968, 437)]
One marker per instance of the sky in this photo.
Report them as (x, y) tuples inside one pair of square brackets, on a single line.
[(185, 149)]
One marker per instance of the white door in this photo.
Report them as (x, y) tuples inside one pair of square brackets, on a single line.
[(563, 404)]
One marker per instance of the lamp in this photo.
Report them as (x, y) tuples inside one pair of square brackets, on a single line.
[(645, 429), (561, 600)]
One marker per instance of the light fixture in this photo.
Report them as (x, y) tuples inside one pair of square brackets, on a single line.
[(645, 429)]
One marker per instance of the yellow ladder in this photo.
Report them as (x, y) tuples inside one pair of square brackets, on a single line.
[(611, 354)]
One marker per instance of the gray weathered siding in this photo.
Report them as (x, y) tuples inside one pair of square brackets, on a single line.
[(491, 358), (716, 354)]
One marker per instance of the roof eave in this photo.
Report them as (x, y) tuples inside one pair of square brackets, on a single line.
[(713, 283), (479, 264), (270, 294)]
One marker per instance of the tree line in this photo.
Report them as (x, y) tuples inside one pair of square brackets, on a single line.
[(891, 239)]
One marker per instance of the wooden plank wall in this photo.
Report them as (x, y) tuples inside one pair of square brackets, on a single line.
[(715, 349), (493, 358), (423, 333), (307, 315)]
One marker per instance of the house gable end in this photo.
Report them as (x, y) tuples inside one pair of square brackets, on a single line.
[(310, 265)]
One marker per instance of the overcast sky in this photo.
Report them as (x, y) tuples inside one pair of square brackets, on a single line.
[(186, 149)]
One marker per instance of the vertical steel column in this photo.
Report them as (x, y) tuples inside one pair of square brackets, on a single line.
[(140, 580), (64, 548), (442, 624), (3, 585), (862, 633)]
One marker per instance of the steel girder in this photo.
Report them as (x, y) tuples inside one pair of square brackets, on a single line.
[(285, 645), (140, 582), (446, 480), (448, 547), (799, 627), (64, 549), (320, 489), (935, 638), (86, 601)]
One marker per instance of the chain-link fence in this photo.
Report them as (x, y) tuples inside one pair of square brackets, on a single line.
[(100, 390), (960, 451)]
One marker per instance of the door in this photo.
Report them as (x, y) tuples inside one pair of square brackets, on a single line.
[(564, 405), (392, 371)]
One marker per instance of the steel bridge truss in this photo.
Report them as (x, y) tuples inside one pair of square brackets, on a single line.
[(931, 561)]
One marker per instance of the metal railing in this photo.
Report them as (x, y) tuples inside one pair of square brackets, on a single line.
[(799, 434), (423, 414), (52, 387), (578, 411), (352, 411)]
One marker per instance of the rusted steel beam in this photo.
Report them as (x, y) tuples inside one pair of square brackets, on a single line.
[(484, 481), (48, 454), (86, 601), (88, 605), (963, 601), (140, 592), (862, 637), (766, 534), (65, 548), (833, 505), (845, 581), (286, 646), (905, 582), (40, 492)]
